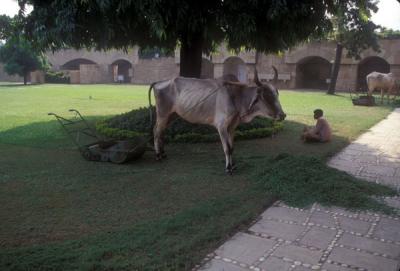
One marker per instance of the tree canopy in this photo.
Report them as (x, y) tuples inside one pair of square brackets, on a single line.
[(20, 58), (353, 30), (196, 26), (17, 54)]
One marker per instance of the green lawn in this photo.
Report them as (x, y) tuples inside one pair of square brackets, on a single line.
[(61, 212)]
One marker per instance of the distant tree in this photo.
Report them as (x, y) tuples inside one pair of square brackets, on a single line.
[(387, 33), (196, 27), (17, 54), (5, 27), (352, 30), (20, 58)]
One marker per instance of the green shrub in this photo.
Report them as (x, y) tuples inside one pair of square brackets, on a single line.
[(137, 122), (56, 78)]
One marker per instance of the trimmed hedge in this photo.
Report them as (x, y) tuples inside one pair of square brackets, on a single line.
[(137, 123)]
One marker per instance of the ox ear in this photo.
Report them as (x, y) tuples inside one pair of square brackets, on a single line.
[(256, 80), (256, 97)]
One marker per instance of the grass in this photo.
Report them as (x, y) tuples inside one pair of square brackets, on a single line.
[(61, 212), (301, 180)]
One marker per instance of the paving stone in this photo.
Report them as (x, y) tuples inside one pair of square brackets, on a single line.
[(367, 159), (345, 157), (380, 170), (351, 152), (337, 163), (273, 263), (391, 181), (370, 245), (389, 161), (351, 169), (397, 174), (356, 146), (297, 253), (354, 225), (277, 229), (285, 214), (322, 218), (245, 248), (393, 202), (318, 237), (301, 268), (217, 265), (363, 260), (334, 267), (369, 177), (388, 229)]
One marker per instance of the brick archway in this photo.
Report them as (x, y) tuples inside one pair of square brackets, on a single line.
[(122, 71), (368, 65), (312, 72), (75, 63)]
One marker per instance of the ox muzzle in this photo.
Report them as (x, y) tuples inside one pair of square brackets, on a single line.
[(280, 116)]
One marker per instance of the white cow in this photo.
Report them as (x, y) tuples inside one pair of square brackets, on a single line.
[(382, 82), (221, 103)]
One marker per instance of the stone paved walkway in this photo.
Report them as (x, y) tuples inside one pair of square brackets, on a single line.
[(374, 156), (320, 238)]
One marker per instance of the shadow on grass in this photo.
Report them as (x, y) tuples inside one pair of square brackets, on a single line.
[(172, 215), (16, 84), (44, 134)]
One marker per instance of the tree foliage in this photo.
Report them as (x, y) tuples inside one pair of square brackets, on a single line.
[(17, 54), (19, 57), (352, 27), (196, 26), (387, 33), (353, 30), (5, 27)]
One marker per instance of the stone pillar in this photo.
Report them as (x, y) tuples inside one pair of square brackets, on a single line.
[(218, 70)]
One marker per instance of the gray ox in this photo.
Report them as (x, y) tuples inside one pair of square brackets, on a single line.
[(383, 82), (220, 103)]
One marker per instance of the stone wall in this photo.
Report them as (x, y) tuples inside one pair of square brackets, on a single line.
[(37, 77), (5, 77), (150, 70), (94, 74)]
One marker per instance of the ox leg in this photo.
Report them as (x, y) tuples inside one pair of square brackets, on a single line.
[(225, 138), (159, 128), (231, 134)]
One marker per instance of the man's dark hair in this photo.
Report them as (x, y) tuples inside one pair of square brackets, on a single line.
[(319, 112)]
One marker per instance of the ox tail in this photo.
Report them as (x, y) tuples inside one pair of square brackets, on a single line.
[(151, 107)]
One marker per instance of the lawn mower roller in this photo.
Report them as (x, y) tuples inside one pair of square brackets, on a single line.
[(95, 148)]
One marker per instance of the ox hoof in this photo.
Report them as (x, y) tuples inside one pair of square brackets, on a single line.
[(230, 169), (160, 156)]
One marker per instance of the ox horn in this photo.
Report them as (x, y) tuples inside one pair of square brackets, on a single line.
[(256, 80), (275, 79)]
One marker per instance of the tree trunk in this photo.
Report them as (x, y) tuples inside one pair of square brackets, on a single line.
[(25, 78), (335, 69), (191, 55)]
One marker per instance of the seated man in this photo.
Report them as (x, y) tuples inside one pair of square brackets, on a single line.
[(321, 132)]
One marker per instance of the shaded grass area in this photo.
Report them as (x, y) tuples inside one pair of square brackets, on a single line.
[(180, 240), (61, 212), (301, 180), (171, 243)]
